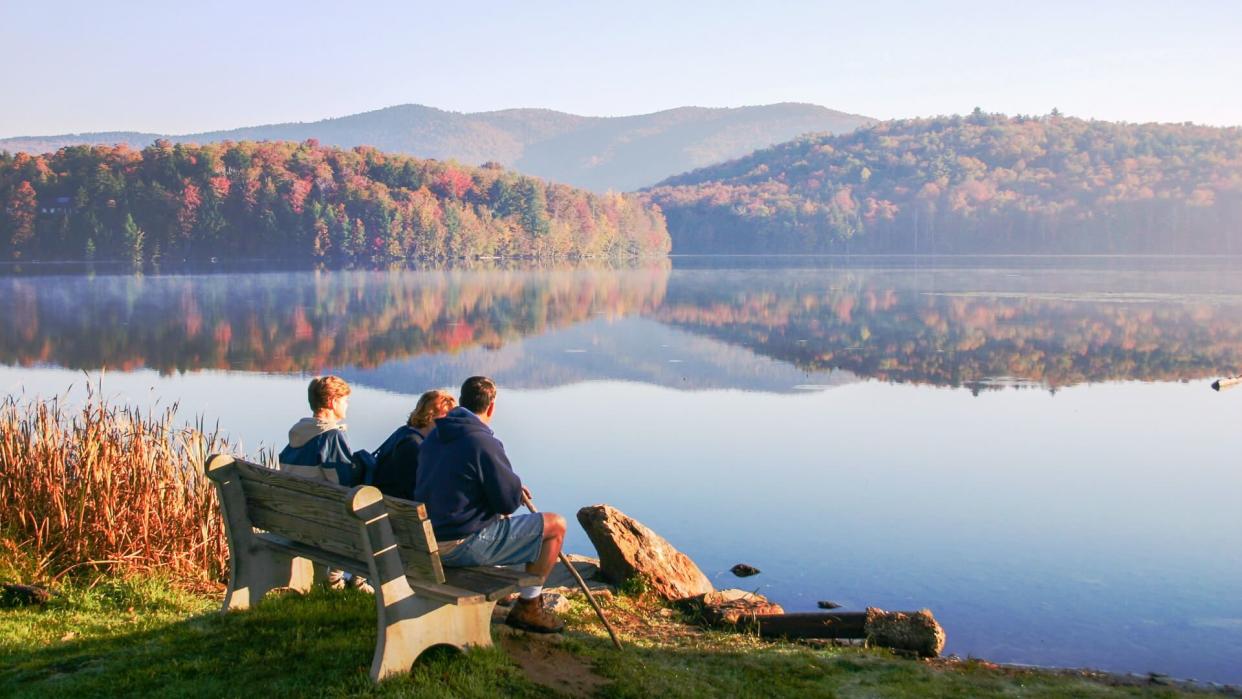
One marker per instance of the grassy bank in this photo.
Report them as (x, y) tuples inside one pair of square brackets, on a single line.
[(150, 637)]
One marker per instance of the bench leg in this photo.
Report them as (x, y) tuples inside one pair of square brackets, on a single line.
[(413, 625), (254, 570), (262, 570), (408, 623)]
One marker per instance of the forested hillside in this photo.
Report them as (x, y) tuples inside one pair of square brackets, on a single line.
[(977, 184), (599, 153), (300, 201)]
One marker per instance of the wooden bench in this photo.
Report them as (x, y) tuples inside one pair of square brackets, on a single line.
[(278, 524)]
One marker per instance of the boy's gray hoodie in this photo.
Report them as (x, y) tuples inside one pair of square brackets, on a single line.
[(317, 449)]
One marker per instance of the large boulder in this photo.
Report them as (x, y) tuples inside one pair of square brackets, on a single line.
[(917, 632), (627, 550)]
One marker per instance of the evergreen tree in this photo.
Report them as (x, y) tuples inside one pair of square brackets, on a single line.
[(133, 238)]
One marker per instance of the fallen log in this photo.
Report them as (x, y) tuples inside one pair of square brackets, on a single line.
[(1222, 384), (813, 625), (917, 632)]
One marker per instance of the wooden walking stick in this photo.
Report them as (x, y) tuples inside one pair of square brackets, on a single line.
[(581, 583)]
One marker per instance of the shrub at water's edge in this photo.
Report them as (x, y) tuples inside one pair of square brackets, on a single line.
[(977, 184), (301, 200), (108, 488)]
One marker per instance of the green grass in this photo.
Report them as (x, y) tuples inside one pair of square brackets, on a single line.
[(146, 637)]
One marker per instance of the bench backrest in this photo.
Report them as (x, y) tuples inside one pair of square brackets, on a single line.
[(322, 515)]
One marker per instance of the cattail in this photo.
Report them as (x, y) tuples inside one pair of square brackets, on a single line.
[(107, 488)]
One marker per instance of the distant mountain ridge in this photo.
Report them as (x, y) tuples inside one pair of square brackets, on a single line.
[(599, 153)]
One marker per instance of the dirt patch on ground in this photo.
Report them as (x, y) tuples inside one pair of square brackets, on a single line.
[(550, 666)]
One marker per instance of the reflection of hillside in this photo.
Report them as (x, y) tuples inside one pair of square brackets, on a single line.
[(891, 328), (628, 349), (759, 329), (283, 322)]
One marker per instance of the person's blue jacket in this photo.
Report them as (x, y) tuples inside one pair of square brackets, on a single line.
[(401, 434), (317, 449), (396, 463), (464, 477)]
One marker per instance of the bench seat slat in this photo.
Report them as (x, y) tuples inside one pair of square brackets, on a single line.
[(493, 582), (446, 593)]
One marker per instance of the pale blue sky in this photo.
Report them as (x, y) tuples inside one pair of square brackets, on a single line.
[(184, 67)]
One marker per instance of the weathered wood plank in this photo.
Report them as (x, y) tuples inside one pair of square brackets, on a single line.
[(408, 509), (328, 513), (345, 542), (413, 530), (420, 564), (515, 575), (414, 533), (294, 548), (288, 481), (447, 593), (493, 582), (341, 541)]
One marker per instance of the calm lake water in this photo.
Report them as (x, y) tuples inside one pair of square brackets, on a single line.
[(1029, 448)]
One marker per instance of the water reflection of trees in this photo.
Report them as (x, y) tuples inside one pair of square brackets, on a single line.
[(302, 321), (894, 331), (970, 330)]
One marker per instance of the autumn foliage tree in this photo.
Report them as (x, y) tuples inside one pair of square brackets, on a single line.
[(19, 217), (982, 183), (302, 200)]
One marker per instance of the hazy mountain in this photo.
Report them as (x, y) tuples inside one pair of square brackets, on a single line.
[(599, 153)]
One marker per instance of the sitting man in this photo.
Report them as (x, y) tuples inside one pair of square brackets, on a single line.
[(469, 488), (317, 449)]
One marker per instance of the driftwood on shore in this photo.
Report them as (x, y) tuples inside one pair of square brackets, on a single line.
[(917, 632)]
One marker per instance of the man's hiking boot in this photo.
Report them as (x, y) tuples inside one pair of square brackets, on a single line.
[(530, 615)]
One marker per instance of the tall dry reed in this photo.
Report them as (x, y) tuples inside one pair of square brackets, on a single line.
[(112, 488)]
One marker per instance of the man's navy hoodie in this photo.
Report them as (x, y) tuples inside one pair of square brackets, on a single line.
[(464, 477)]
